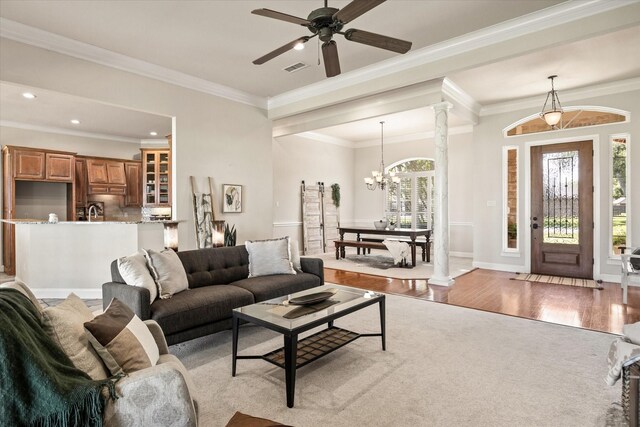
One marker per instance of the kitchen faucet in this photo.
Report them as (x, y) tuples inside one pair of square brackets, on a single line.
[(95, 212)]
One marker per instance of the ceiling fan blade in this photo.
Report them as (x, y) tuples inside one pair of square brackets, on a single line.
[(331, 60), (281, 16), (378, 40), (280, 50), (355, 9)]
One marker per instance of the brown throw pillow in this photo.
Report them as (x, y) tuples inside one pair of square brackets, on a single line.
[(122, 340), (243, 420)]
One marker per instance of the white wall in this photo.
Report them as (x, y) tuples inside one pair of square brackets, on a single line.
[(296, 159), (369, 204), (214, 137), (487, 181)]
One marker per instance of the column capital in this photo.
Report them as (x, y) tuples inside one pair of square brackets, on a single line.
[(444, 105)]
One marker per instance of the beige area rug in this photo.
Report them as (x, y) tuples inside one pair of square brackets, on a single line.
[(380, 263), (444, 366), (558, 280)]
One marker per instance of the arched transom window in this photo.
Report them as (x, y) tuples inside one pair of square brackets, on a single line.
[(410, 203), (573, 117)]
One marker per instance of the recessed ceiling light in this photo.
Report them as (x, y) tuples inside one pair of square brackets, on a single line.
[(153, 133), (75, 121), (299, 46), (29, 95)]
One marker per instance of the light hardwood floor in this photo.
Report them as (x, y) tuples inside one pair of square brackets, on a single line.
[(494, 291)]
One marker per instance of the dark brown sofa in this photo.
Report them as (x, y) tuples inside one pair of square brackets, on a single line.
[(218, 283)]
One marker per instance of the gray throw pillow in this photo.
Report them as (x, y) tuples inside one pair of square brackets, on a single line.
[(168, 272), (267, 257)]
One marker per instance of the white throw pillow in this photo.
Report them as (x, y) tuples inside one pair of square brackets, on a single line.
[(294, 250), (134, 271), (168, 272), (267, 257)]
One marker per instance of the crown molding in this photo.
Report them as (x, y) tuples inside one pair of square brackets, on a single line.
[(63, 131), (464, 103), (399, 139), (533, 22), (36, 37), (576, 94)]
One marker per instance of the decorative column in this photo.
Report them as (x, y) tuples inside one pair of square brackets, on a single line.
[(441, 221)]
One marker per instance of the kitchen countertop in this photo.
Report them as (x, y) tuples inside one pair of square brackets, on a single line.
[(40, 221)]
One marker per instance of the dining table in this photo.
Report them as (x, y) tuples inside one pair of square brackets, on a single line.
[(411, 233)]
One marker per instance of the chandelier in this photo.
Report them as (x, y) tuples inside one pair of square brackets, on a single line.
[(380, 179), (552, 115)]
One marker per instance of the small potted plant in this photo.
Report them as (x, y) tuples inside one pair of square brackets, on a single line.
[(391, 223)]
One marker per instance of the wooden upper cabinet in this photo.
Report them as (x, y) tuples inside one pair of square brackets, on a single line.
[(60, 167), (105, 172), (81, 182), (133, 196), (29, 164), (116, 174), (156, 177), (97, 171)]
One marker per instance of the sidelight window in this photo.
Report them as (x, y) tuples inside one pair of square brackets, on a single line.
[(510, 199), (618, 192)]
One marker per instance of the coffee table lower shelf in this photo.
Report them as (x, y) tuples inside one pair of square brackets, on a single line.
[(314, 346)]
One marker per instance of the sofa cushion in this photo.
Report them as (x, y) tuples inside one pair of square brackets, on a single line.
[(268, 287), (122, 340), (267, 257), (65, 324), (215, 266), (198, 306)]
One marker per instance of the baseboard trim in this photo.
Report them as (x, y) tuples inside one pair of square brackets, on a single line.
[(500, 267), (461, 254), (616, 278), (64, 292)]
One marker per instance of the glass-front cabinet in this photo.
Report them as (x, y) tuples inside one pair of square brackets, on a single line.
[(156, 165)]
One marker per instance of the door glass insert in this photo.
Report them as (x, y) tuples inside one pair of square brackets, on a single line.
[(561, 200)]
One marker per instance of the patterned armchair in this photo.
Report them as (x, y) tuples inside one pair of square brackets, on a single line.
[(161, 395), (630, 258)]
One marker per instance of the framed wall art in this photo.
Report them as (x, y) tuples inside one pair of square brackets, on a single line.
[(231, 198)]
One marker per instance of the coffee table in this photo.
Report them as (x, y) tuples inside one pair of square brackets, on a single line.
[(296, 354)]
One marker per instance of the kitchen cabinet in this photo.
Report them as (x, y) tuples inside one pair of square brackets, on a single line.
[(106, 176), (133, 172), (28, 164), (81, 182), (105, 171), (156, 177), (60, 167), (31, 164)]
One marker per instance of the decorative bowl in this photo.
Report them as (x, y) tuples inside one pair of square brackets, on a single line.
[(380, 224)]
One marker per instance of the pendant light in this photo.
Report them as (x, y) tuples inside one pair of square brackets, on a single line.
[(553, 114)]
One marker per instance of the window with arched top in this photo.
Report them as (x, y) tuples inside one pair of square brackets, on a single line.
[(572, 117), (409, 204)]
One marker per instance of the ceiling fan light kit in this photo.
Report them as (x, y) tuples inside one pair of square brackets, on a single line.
[(327, 21)]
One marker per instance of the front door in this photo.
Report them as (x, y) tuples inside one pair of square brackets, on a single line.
[(562, 209)]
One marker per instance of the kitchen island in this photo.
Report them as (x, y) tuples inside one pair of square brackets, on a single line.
[(75, 256)]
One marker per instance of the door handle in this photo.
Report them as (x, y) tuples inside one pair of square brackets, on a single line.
[(534, 226)]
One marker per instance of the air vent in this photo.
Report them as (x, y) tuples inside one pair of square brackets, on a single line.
[(296, 67)]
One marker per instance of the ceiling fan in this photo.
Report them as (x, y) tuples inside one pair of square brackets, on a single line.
[(327, 21)]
